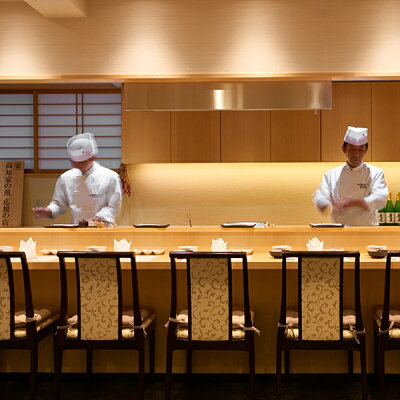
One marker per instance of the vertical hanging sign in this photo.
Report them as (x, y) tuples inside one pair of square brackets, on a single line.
[(11, 191)]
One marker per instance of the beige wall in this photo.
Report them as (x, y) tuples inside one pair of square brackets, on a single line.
[(279, 193), (129, 37)]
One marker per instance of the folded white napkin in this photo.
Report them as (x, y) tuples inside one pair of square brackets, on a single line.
[(218, 245), (237, 317), (315, 244), (127, 317), (122, 245), (39, 315), (292, 317), (29, 247)]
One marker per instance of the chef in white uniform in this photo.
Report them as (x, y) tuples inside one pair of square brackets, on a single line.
[(355, 190), (91, 191)]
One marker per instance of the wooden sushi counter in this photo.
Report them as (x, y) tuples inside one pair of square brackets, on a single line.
[(264, 281)]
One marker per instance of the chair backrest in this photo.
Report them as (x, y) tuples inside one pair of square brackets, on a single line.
[(320, 293), (386, 298), (7, 294), (98, 293), (209, 293)]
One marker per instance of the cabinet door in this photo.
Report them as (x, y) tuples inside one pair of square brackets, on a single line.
[(195, 136), (245, 136), (351, 106), (146, 137), (385, 121), (295, 136)]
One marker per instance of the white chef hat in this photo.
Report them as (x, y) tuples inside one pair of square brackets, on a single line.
[(81, 147), (356, 136)]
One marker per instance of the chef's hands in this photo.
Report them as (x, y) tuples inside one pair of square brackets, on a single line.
[(42, 212), (340, 205)]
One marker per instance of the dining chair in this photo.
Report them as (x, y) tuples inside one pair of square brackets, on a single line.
[(320, 321), (22, 327), (209, 320), (101, 321), (386, 326)]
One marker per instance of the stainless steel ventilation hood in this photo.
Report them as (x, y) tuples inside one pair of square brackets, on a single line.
[(190, 96)]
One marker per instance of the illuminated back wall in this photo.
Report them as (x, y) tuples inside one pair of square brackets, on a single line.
[(279, 193)]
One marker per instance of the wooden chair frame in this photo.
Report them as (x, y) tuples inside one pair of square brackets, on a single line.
[(33, 337), (137, 343), (174, 343), (285, 344), (382, 341)]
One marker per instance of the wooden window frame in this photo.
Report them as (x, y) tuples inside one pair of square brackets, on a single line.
[(35, 93)]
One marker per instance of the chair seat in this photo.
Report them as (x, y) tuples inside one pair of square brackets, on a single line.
[(292, 322), (43, 317), (394, 320), (128, 332), (238, 332)]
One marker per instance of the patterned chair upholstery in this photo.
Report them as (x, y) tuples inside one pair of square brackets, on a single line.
[(386, 326), (22, 327), (209, 320), (100, 321), (320, 321)]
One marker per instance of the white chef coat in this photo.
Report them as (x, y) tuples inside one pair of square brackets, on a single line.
[(363, 182), (97, 192)]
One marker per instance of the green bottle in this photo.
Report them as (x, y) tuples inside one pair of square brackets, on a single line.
[(381, 214), (389, 211), (397, 210)]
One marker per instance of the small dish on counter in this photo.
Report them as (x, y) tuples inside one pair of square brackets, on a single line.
[(247, 251), (96, 248), (148, 251), (326, 225), (54, 252), (375, 247), (377, 253), (276, 253), (6, 248), (281, 247), (188, 248), (239, 225), (151, 225), (158, 251), (61, 226)]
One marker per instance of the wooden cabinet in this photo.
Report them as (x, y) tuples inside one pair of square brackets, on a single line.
[(146, 137), (245, 136), (195, 136), (385, 121), (295, 136), (263, 136), (351, 106)]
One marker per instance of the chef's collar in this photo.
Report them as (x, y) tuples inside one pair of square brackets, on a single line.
[(359, 167), (90, 170)]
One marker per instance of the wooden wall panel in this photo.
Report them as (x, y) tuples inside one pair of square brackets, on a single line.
[(351, 105), (385, 121), (295, 136), (147, 137), (195, 136), (245, 136)]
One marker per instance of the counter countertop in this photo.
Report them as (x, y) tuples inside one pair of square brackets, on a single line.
[(210, 228)]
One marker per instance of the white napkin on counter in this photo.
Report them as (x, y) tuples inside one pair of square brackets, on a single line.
[(29, 247), (122, 245), (315, 244), (218, 245)]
